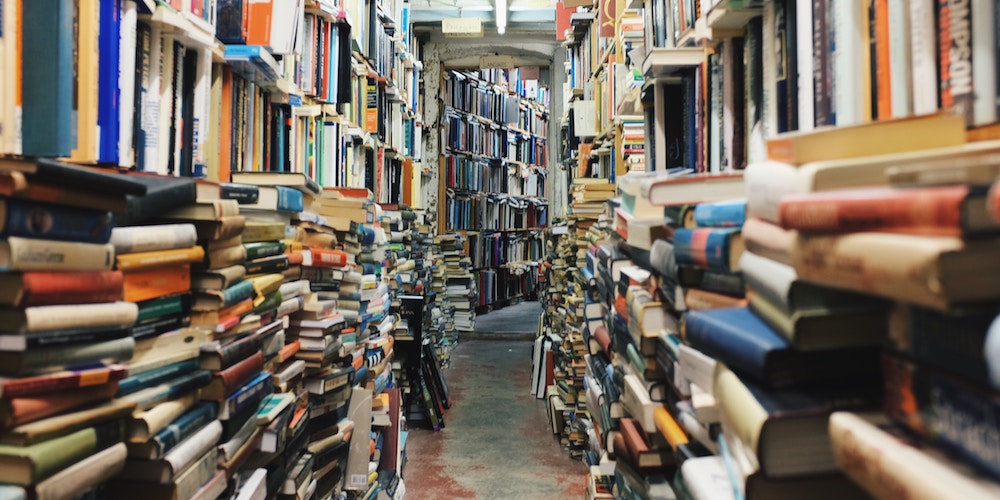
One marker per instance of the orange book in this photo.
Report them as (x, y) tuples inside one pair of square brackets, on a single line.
[(259, 17), (328, 257), (21, 410), (697, 299), (882, 60), (159, 258), (937, 210), (156, 282), (226, 122)]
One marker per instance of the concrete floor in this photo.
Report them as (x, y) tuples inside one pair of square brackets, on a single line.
[(497, 442), (519, 321)]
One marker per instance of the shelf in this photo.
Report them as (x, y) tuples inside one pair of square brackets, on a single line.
[(190, 29), (661, 62), (729, 23)]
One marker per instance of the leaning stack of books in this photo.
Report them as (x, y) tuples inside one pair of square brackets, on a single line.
[(65, 328), (920, 241)]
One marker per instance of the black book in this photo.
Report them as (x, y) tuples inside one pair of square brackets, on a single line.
[(244, 194), (162, 194)]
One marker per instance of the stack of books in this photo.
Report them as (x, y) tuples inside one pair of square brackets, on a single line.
[(66, 330)]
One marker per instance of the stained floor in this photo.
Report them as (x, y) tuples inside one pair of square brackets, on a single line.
[(497, 442)]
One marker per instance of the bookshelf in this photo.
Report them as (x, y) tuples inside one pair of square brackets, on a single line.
[(494, 175), (727, 94), (228, 322)]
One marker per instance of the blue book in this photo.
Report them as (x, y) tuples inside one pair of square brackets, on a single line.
[(707, 248), (247, 396), (721, 214), (158, 376), (180, 429), (31, 219), (107, 81), (744, 343), (48, 122)]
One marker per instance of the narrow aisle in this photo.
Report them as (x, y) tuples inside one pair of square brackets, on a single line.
[(496, 443)]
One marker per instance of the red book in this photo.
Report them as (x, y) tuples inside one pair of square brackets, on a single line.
[(328, 257), (59, 381), (21, 410), (44, 288), (226, 381), (939, 211)]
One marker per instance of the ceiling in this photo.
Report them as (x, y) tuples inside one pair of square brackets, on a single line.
[(524, 16)]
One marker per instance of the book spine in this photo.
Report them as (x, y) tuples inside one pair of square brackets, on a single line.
[(720, 214), (155, 377), (954, 414), (820, 67), (25, 386), (260, 249), (58, 338), (54, 222), (225, 257), (158, 326), (244, 194), (919, 208), (111, 351), (57, 317), (236, 375), (290, 200), (329, 257), (849, 261), (267, 265), (192, 448), (145, 424), (956, 343), (149, 397), (182, 428), (248, 395), (705, 248), (136, 239), (238, 350), (163, 306), (29, 254), (80, 477), (160, 258), (236, 293), (40, 288), (955, 57)]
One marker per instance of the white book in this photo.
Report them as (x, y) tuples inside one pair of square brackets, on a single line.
[(202, 104), (850, 18), (804, 62), (769, 104), (126, 82), (984, 67), (165, 142), (189, 450), (706, 478), (899, 58), (923, 56), (253, 487)]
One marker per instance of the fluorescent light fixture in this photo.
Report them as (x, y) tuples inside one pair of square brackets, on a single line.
[(501, 15)]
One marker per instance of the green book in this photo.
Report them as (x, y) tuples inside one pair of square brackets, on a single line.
[(264, 249), (26, 465)]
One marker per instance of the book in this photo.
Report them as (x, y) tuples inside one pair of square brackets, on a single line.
[(135, 239), (741, 340), (157, 282), (42, 288), (67, 316), (959, 210), (225, 381), (157, 376), (693, 189), (174, 433), (927, 270), (88, 473), (886, 461), (178, 460), (31, 254), (210, 300), (214, 210), (60, 357), (730, 213), (217, 279), (24, 409), (867, 139), (77, 177), (159, 258), (59, 381), (823, 327), (31, 464), (53, 222), (144, 424), (290, 179), (16, 184), (163, 194), (184, 484), (716, 249), (785, 430), (278, 198)]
